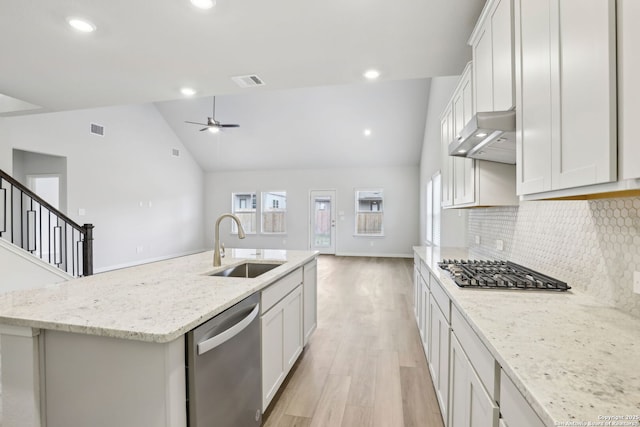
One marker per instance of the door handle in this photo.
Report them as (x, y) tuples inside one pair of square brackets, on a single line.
[(226, 335)]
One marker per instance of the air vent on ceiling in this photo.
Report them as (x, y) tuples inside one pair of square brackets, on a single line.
[(248, 81), (97, 129), (175, 152)]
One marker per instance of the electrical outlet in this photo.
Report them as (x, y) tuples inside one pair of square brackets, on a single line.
[(499, 245), (477, 240), (371, 243), (284, 241), (139, 249), (636, 282)]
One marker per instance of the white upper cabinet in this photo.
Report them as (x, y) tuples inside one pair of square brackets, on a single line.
[(446, 124), (467, 182), (628, 88), (565, 94), (492, 46), (462, 106)]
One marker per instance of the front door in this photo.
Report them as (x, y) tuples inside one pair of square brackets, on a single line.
[(323, 221)]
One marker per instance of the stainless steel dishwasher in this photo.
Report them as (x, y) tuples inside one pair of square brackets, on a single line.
[(223, 368)]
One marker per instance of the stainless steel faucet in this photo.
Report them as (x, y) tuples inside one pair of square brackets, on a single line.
[(217, 260)]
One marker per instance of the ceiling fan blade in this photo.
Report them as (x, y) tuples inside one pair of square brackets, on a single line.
[(196, 123), (229, 126), (207, 128)]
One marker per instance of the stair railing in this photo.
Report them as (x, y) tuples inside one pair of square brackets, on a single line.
[(31, 223)]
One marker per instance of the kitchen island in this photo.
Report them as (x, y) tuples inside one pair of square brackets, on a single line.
[(130, 325), (572, 359)]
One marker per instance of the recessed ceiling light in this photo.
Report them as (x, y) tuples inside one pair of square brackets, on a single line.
[(481, 135), (187, 91), (82, 25), (203, 4), (366, 132), (371, 74), (462, 151)]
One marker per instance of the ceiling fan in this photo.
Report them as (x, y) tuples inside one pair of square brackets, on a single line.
[(212, 124)]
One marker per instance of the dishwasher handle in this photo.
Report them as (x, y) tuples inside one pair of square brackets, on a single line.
[(226, 335)]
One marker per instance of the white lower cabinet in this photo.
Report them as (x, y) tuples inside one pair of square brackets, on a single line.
[(470, 404), (310, 293), (282, 342), (439, 352), (516, 412)]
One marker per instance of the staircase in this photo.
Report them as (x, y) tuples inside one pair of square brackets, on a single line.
[(30, 223)]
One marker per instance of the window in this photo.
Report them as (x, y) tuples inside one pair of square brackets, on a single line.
[(369, 212), (243, 205), (274, 211)]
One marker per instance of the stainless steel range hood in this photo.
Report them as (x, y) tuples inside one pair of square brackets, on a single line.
[(487, 136)]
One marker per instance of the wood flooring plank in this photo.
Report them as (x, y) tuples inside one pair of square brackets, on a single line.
[(388, 410), (415, 400), (357, 416), (364, 365), (330, 409)]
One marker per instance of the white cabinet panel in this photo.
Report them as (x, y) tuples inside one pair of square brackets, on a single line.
[(310, 291), (446, 135), (439, 362), (628, 88), (533, 95), (282, 341), (565, 90), (503, 64), (483, 70), (471, 405), (514, 408), (587, 141)]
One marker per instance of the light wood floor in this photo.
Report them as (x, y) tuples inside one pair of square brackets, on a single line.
[(364, 365)]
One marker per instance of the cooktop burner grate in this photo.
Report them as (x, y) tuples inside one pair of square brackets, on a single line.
[(499, 275)]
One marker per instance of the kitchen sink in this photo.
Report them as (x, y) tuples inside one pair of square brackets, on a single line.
[(248, 270)]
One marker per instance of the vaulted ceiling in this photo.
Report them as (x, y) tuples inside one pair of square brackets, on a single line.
[(145, 51)]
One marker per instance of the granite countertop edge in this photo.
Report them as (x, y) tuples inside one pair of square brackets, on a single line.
[(515, 364), (20, 308)]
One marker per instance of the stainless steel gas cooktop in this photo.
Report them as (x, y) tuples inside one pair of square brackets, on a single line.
[(499, 275)]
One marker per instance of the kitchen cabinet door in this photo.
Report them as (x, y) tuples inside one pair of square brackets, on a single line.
[(492, 47), (416, 293), (513, 406), (565, 89), (628, 87), (533, 95), (425, 329), (470, 404), (439, 362), (310, 294), (462, 105), (446, 124), (281, 331)]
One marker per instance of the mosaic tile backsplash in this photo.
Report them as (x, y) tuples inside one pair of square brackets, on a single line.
[(593, 245)]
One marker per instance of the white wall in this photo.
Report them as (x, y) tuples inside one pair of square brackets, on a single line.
[(145, 203), (453, 221), (21, 271), (401, 207)]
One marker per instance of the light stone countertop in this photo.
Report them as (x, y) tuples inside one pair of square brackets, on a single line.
[(156, 302), (571, 357)]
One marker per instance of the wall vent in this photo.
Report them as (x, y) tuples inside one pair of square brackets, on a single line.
[(97, 129), (248, 81), (175, 152)]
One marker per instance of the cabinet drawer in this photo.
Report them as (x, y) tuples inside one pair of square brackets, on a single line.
[(513, 406), (481, 359), (424, 270), (278, 290), (442, 299)]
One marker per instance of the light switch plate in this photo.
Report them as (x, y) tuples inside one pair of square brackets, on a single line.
[(499, 245), (82, 212), (636, 282)]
